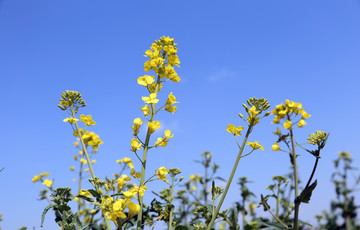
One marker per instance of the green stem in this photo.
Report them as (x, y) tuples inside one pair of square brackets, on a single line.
[(346, 205), (296, 214), (171, 201), (230, 179), (313, 172), (205, 185), (108, 226), (278, 200), (276, 218), (80, 179), (143, 162)]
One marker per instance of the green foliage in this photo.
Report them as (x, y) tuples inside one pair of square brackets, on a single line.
[(63, 215)]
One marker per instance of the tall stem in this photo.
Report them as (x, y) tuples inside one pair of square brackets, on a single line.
[(171, 201), (230, 179), (346, 200), (80, 179), (278, 200), (205, 185), (296, 214), (108, 226), (143, 163)]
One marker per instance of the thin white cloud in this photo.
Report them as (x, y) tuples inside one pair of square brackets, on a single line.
[(221, 75)]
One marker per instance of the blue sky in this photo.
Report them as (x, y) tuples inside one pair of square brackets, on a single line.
[(306, 51)]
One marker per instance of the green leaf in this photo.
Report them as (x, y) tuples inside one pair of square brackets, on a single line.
[(94, 193), (181, 228), (263, 223), (306, 194), (44, 213), (220, 178), (85, 198)]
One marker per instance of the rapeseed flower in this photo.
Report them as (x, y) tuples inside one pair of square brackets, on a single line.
[(150, 99), (47, 183), (275, 147), (87, 120), (71, 120), (161, 174), (255, 145), (153, 125), (136, 127), (135, 145), (236, 131)]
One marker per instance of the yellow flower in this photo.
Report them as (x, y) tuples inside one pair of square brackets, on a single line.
[(195, 178), (301, 123), (146, 110), (135, 174), (87, 120), (83, 161), (133, 209), (118, 207), (145, 80), (86, 170), (71, 120), (44, 174), (153, 125), (278, 132), (147, 66), (140, 190), (122, 181), (162, 141), (72, 168), (234, 130), (47, 183), (127, 161), (36, 178), (304, 114), (253, 112), (255, 145), (92, 139), (151, 99), (275, 147), (136, 127), (152, 87), (161, 173), (287, 124), (169, 103), (171, 99), (135, 145), (129, 194), (276, 120)]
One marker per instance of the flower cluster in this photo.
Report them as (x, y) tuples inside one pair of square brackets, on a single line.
[(129, 163), (288, 112), (163, 58), (257, 106), (71, 100), (48, 183), (292, 113)]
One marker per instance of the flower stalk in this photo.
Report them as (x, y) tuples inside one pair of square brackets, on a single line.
[(230, 178), (143, 162), (108, 226)]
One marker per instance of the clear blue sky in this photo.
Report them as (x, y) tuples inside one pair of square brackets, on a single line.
[(307, 51)]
